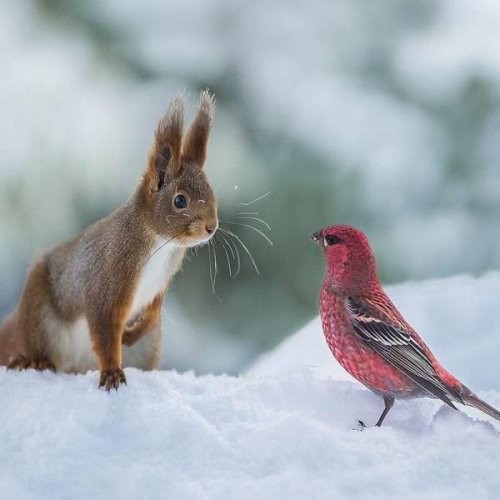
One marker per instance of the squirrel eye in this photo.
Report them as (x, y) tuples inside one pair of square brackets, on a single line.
[(331, 239), (180, 201)]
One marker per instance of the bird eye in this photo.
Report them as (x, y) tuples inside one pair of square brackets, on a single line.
[(331, 239), (180, 201)]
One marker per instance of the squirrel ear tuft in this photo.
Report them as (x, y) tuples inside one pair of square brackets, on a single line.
[(161, 164), (166, 151), (195, 142)]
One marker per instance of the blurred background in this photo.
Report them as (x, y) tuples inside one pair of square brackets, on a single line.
[(385, 115)]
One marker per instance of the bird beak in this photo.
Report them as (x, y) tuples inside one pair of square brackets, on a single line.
[(317, 237)]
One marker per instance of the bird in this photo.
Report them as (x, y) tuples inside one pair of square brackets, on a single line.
[(370, 338)]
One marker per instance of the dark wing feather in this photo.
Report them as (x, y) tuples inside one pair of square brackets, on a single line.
[(399, 348)]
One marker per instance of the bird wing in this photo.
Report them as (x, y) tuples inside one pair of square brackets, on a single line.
[(398, 347)]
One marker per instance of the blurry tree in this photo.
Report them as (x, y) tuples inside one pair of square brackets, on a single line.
[(384, 115)]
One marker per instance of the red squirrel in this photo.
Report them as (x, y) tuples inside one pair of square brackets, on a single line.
[(95, 301)]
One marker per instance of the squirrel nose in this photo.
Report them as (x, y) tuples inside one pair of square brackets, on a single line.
[(211, 227)]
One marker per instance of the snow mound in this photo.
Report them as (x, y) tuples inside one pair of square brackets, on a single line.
[(286, 428), (170, 435)]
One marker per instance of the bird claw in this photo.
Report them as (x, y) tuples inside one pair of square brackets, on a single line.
[(360, 426)]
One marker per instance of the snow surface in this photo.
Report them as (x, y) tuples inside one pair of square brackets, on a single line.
[(286, 428)]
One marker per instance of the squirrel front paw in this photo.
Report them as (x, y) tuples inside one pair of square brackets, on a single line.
[(22, 362), (111, 379)]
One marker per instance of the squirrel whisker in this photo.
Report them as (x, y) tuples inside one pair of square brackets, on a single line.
[(162, 245), (250, 227), (246, 204), (212, 244), (243, 246), (246, 217), (227, 255), (235, 254), (213, 274)]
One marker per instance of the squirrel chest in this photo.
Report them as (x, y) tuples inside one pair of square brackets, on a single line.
[(72, 340), (163, 262)]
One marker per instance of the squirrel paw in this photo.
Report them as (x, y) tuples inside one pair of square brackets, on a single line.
[(19, 362), (42, 364), (22, 362), (111, 379)]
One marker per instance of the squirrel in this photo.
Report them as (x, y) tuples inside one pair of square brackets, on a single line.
[(95, 301)]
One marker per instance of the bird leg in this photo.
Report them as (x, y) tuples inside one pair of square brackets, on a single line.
[(389, 402)]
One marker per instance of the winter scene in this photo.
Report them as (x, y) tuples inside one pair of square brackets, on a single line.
[(250, 250)]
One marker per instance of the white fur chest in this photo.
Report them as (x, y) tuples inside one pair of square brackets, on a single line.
[(162, 264), (71, 344)]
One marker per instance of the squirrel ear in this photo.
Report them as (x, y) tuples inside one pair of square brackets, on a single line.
[(195, 142), (166, 151)]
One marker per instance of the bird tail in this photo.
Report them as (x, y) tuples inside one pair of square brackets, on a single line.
[(471, 399)]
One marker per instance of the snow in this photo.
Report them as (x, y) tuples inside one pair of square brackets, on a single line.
[(175, 435), (285, 428)]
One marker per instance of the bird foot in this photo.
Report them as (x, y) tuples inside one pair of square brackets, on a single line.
[(360, 426)]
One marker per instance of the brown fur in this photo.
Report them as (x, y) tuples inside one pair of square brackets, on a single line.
[(10, 341), (195, 143), (92, 281), (149, 318)]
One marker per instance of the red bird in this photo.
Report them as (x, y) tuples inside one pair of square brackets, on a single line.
[(370, 338)]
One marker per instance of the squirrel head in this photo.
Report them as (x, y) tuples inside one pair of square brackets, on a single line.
[(179, 202)]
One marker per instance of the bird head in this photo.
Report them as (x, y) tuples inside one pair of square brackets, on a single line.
[(350, 263)]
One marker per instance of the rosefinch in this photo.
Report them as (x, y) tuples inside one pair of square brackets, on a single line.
[(369, 337)]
